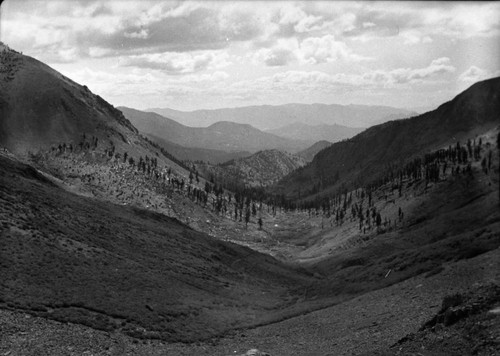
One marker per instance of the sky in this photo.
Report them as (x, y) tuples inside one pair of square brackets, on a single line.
[(204, 55)]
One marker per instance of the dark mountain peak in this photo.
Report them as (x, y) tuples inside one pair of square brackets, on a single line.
[(41, 107)]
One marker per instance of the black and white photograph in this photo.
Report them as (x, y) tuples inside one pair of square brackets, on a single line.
[(249, 178)]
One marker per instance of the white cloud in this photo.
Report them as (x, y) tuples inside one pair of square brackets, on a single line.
[(281, 54), (436, 68), (475, 74), (178, 63), (312, 50), (317, 81), (325, 49)]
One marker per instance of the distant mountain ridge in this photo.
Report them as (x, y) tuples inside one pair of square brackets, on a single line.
[(363, 157), (222, 135), (269, 117), (198, 154), (322, 132)]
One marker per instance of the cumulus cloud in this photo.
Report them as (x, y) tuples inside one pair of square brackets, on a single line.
[(319, 81), (177, 63), (419, 22), (311, 50), (325, 49), (436, 68), (281, 54), (475, 74), (125, 27)]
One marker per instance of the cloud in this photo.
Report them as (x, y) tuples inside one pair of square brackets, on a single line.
[(121, 28), (311, 50), (318, 81), (278, 57), (475, 74), (436, 68), (324, 49), (282, 53), (177, 63), (421, 22)]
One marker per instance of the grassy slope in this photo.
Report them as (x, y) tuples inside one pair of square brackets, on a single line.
[(458, 219), (112, 267)]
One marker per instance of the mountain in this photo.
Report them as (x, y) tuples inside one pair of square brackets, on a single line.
[(301, 131), (309, 153), (198, 154), (364, 157), (258, 170), (40, 108), (222, 135), (268, 117)]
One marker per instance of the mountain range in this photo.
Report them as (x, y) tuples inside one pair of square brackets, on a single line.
[(268, 117), (222, 135), (315, 133)]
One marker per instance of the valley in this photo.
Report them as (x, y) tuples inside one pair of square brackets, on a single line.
[(150, 237)]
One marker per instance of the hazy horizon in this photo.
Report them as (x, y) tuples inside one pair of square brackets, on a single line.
[(191, 56)]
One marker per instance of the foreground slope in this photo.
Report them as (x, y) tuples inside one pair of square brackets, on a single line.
[(365, 157), (77, 259), (222, 135)]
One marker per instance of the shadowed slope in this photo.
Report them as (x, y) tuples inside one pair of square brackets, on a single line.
[(363, 158)]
